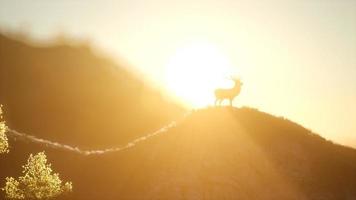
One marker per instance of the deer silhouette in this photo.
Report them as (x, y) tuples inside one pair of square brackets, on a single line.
[(230, 94)]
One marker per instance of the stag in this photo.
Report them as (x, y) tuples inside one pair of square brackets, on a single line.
[(230, 94)]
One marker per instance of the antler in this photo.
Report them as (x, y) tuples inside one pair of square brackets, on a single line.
[(234, 78)]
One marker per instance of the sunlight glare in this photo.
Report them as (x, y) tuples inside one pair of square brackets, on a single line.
[(195, 71)]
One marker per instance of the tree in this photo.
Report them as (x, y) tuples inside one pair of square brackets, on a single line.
[(38, 181), (4, 145)]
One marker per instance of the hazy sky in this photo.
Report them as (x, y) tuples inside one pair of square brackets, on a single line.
[(297, 58)]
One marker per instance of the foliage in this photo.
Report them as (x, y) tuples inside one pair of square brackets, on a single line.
[(38, 181), (4, 145)]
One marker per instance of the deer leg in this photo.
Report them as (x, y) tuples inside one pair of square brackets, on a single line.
[(230, 102)]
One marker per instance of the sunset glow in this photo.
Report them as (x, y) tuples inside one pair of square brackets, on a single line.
[(179, 99), (194, 71)]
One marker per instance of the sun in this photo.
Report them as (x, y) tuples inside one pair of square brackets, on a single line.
[(195, 71)]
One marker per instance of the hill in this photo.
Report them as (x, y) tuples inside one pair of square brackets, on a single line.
[(213, 153), (69, 94)]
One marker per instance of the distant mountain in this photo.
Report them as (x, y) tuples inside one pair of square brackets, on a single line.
[(213, 153), (71, 95)]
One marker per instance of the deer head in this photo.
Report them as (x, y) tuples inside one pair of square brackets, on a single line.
[(237, 81)]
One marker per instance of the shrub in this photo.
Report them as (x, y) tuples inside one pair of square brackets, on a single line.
[(4, 145), (38, 181)]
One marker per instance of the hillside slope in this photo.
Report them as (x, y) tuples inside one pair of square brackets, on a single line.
[(69, 94), (214, 153)]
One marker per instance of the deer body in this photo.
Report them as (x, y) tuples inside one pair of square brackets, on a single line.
[(230, 94)]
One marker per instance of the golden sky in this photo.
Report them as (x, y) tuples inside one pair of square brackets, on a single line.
[(297, 59)]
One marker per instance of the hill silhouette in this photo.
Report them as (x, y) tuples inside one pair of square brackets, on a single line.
[(213, 153), (69, 94)]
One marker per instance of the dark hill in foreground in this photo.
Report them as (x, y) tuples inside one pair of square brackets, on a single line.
[(71, 95), (214, 153)]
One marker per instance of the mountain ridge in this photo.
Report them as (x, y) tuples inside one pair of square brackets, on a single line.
[(52, 91)]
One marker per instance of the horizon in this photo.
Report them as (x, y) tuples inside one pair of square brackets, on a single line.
[(305, 72)]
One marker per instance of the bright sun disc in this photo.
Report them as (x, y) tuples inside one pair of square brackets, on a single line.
[(194, 71)]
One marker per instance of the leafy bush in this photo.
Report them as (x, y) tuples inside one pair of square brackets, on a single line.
[(4, 145), (38, 181)]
